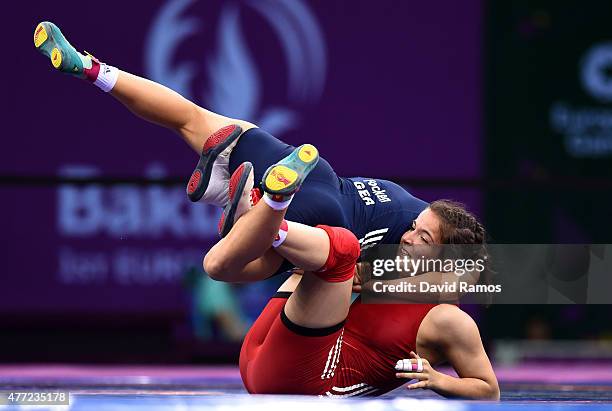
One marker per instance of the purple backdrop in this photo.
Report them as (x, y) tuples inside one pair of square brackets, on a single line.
[(385, 89)]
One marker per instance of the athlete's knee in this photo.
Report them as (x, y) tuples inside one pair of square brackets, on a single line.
[(218, 267), (344, 251), (212, 266)]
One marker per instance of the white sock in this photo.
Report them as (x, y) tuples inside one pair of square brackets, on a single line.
[(107, 77), (277, 205), (282, 234)]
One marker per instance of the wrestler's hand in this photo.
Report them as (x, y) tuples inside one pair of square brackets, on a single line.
[(427, 378), (363, 271), (357, 279)]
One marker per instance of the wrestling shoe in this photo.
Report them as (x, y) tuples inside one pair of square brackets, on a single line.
[(214, 162), (50, 41), (283, 179), (242, 197)]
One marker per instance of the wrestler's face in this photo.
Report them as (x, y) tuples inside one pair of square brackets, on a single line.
[(421, 238)]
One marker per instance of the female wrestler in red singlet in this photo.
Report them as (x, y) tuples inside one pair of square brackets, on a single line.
[(310, 339)]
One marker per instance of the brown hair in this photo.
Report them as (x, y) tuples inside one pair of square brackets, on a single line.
[(459, 226)]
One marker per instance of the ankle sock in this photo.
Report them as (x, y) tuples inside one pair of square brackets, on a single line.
[(277, 203), (106, 78), (282, 234)]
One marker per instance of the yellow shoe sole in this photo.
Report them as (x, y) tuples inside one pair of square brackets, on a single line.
[(40, 35), (308, 153), (280, 177), (56, 58)]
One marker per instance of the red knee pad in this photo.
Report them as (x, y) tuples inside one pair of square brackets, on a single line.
[(343, 253)]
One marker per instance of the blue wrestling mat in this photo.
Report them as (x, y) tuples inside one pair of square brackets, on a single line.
[(220, 388)]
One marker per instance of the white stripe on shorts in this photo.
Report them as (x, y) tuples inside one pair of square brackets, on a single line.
[(332, 356)]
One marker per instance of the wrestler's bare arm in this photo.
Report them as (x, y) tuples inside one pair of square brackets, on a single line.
[(460, 344)]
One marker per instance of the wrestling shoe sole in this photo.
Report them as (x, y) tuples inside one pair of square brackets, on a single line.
[(285, 177), (214, 145), (238, 182), (50, 41)]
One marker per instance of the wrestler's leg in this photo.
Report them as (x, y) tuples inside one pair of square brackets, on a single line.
[(253, 234), (163, 106), (147, 99), (319, 304), (323, 296), (320, 299), (284, 339), (277, 358), (307, 247), (249, 239), (259, 269)]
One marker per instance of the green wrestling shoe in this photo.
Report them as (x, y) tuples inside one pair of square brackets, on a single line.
[(50, 41), (284, 178)]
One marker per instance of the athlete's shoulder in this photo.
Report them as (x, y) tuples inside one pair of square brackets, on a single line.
[(449, 317)]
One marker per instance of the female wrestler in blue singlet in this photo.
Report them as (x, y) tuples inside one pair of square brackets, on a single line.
[(376, 211)]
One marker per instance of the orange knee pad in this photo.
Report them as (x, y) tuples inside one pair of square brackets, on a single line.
[(344, 251)]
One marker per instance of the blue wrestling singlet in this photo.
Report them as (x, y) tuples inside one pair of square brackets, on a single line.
[(376, 211)]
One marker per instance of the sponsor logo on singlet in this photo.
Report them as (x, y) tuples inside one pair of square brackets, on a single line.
[(371, 238), (370, 192)]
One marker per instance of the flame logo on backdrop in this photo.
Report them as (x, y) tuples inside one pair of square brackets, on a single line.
[(233, 87), (595, 66)]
